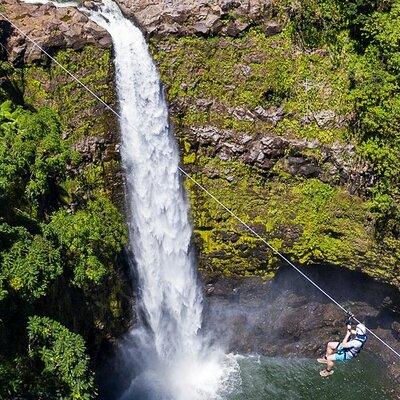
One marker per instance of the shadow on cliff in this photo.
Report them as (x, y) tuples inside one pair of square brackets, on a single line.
[(285, 316)]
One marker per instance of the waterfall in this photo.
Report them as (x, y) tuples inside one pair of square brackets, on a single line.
[(176, 362), (159, 229), (160, 232)]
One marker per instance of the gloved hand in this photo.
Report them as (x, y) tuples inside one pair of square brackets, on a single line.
[(349, 327)]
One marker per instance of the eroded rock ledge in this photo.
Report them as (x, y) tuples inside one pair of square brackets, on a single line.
[(55, 28), (207, 17), (334, 164), (52, 28)]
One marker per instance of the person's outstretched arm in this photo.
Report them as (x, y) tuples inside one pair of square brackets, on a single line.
[(348, 334)]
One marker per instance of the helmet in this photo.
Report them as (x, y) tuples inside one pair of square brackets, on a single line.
[(361, 329)]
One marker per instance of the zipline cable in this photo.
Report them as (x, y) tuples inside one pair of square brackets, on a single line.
[(285, 259), (249, 228)]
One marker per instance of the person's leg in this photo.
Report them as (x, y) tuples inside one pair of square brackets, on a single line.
[(331, 348), (330, 362)]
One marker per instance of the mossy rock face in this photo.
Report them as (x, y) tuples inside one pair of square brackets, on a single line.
[(253, 71), (88, 125), (260, 85), (308, 220), (81, 114), (230, 83), (92, 130)]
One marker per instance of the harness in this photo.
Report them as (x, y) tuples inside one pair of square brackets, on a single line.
[(354, 351)]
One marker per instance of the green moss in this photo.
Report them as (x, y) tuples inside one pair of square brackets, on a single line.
[(309, 220), (189, 159), (80, 113), (250, 71)]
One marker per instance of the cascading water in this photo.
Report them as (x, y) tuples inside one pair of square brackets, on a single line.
[(175, 361), (160, 232)]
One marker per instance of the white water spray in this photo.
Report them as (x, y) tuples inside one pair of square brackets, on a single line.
[(177, 364), (160, 232)]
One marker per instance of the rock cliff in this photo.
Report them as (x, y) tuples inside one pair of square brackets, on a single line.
[(55, 28), (52, 28), (266, 124), (256, 114)]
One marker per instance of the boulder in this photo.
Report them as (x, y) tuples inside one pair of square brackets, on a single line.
[(235, 28), (271, 28), (51, 27)]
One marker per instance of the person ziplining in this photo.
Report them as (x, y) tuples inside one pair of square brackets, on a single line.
[(336, 352), (347, 349)]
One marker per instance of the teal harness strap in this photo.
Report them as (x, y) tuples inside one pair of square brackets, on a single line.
[(354, 351)]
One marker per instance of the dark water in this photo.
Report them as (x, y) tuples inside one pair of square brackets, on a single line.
[(267, 378), (298, 379)]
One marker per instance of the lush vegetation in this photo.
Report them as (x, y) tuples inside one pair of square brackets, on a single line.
[(310, 220), (60, 232), (60, 236), (259, 71), (369, 32), (341, 56)]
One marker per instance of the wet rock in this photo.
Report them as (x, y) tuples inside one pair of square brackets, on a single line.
[(287, 317), (396, 329), (392, 305), (91, 5), (209, 289)]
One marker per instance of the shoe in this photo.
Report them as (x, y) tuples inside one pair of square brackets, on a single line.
[(322, 360), (326, 373)]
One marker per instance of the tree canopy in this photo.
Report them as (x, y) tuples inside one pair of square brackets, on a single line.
[(47, 247)]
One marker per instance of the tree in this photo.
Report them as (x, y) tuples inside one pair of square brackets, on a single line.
[(62, 355), (30, 266), (91, 238)]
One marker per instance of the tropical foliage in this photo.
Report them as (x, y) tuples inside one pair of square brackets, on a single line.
[(47, 248), (369, 32)]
